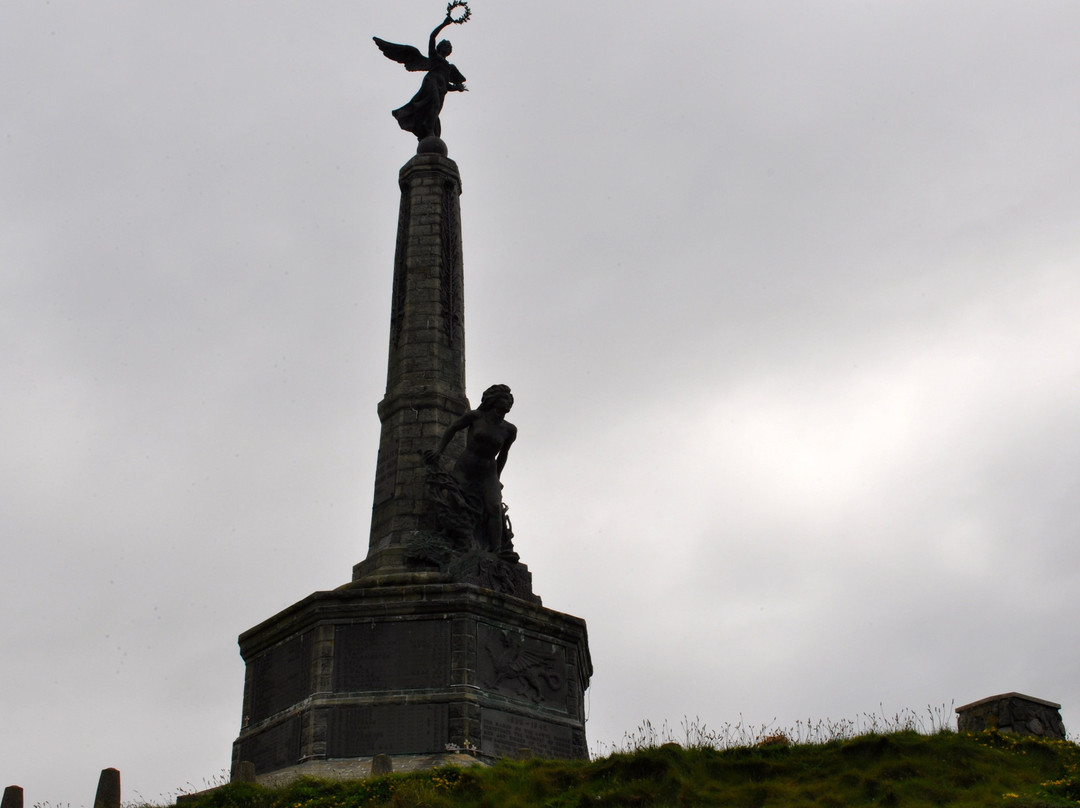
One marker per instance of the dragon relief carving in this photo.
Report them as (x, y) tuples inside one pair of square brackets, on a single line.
[(528, 673)]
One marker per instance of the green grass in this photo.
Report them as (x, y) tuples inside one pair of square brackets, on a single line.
[(901, 768)]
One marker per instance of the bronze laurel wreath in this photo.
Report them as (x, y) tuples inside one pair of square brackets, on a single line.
[(458, 4)]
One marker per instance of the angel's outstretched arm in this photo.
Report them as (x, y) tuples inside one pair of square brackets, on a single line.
[(435, 33)]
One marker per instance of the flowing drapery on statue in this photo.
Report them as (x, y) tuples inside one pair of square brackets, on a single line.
[(421, 115)]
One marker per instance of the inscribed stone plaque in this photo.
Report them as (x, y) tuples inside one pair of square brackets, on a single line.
[(386, 472), (503, 734), (390, 729), (273, 748), (281, 676), (404, 655), (521, 667)]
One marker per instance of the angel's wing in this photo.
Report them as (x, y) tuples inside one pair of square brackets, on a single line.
[(409, 56)]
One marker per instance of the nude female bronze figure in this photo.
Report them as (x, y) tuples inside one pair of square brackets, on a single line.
[(487, 444)]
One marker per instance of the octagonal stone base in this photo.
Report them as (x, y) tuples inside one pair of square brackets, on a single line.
[(412, 667)]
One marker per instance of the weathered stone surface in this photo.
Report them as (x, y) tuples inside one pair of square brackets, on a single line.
[(360, 768), (381, 764), (507, 731), (108, 790), (1012, 713)]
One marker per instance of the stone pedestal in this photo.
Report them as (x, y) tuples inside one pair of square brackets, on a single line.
[(417, 668)]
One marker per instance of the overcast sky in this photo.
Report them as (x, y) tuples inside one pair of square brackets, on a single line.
[(788, 295)]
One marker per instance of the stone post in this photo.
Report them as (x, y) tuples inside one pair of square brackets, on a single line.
[(381, 764), (425, 388), (13, 797), (108, 790)]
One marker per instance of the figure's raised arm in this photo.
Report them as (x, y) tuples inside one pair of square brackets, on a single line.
[(435, 33)]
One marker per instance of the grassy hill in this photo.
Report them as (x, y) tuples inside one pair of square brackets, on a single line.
[(902, 768)]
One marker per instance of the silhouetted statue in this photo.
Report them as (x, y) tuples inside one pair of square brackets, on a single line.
[(421, 115), (477, 470)]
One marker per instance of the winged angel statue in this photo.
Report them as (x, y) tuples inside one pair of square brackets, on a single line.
[(421, 115)]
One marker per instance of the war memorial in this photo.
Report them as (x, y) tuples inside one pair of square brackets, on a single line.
[(438, 644)]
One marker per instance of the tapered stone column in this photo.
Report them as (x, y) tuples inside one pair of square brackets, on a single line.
[(425, 386)]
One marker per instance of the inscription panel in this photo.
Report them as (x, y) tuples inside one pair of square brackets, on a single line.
[(281, 676), (521, 667), (273, 748), (503, 734), (397, 306), (407, 655), (386, 472), (391, 729), (450, 289)]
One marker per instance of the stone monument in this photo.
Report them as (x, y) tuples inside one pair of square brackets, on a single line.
[(438, 644)]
